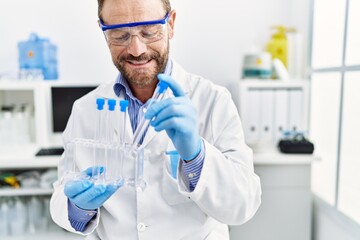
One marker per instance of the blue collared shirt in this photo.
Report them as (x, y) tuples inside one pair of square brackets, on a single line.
[(78, 217)]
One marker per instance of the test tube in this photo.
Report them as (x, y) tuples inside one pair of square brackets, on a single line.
[(158, 95), (123, 106), (100, 102), (98, 137), (108, 146), (139, 170), (110, 121), (121, 147)]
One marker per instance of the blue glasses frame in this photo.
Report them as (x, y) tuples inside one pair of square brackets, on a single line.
[(105, 27)]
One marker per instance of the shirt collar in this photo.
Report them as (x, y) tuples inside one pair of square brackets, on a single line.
[(121, 84)]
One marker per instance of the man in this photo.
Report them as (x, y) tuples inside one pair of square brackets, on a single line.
[(215, 183)]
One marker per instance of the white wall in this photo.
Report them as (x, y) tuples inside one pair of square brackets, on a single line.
[(71, 25), (329, 224), (210, 39), (212, 36)]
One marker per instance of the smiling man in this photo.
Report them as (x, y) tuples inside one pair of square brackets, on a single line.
[(214, 182)]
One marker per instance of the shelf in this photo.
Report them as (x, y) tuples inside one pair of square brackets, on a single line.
[(268, 83), (30, 162), (18, 85), (25, 192), (274, 157), (16, 157)]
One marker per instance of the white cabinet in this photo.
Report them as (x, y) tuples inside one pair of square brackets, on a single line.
[(23, 163), (285, 211), (268, 108), (18, 156)]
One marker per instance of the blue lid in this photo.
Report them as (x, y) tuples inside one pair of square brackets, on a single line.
[(100, 103), (123, 105), (162, 86), (111, 104)]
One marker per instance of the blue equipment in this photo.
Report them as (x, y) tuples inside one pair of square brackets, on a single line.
[(38, 54)]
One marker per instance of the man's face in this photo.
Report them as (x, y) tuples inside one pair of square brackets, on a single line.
[(138, 62)]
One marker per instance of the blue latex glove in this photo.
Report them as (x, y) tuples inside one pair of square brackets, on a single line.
[(178, 117), (86, 195)]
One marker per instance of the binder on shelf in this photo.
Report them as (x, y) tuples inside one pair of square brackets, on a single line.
[(280, 113), (296, 110), (265, 118), (266, 107), (251, 116)]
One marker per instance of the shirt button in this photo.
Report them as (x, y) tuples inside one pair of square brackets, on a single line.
[(191, 175), (141, 227)]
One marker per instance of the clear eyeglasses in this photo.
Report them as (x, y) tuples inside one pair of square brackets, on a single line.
[(147, 31)]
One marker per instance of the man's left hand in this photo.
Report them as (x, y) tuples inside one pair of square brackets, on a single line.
[(178, 117)]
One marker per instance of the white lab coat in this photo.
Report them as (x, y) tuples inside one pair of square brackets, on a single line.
[(228, 191)]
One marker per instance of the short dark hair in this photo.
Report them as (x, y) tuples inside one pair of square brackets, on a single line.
[(166, 4)]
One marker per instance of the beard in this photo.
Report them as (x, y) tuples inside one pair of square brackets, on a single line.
[(142, 77)]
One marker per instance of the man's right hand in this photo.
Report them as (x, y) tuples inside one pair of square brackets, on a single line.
[(85, 195)]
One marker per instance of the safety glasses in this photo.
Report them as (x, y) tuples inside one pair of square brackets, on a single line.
[(146, 31)]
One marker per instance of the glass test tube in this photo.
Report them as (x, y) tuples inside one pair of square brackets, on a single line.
[(109, 148), (158, 95), (139, 170), (121, 147), (123, 106), (98, 138)]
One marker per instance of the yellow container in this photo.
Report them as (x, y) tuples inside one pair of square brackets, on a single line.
[(278, 45)]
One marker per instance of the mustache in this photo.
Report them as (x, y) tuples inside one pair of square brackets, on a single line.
[(142, 57)]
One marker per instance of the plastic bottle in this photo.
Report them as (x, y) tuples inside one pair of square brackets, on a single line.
[(20, 133), (4, 212), (47, 217), (296, 56), (278, 45), (18, 217), (34, 208), (6, 125)]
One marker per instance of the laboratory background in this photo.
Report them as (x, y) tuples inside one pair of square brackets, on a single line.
[(292, 67)]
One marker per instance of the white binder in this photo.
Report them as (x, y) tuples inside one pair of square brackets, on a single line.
[(280, 113), (266, 108), (296, 110), (251, 116)]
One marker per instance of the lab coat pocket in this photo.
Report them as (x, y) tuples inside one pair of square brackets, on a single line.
[(170, 188)]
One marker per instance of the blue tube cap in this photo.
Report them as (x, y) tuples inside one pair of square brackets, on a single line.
[(162, 86), (100, 103), (123, 105), (111, 104)]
